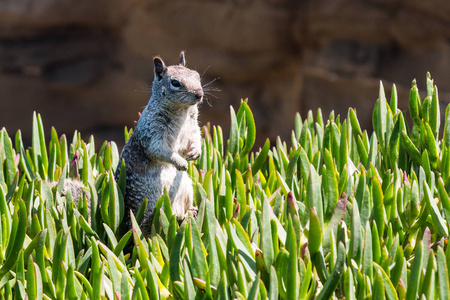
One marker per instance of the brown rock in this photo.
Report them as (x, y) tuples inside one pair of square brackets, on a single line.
[(87, 65)]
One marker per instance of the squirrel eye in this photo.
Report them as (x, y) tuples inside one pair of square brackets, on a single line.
[(175, 83)]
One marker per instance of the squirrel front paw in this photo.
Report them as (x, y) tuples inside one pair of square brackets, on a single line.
[(194, 154), (181, 165)]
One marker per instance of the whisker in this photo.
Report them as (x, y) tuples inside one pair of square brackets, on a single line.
[(209, 94), (209, 83), (207, 101), (207, 68), (211, 89), (143, 91)]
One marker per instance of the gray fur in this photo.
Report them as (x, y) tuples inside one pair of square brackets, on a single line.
[(166, 136), (77, 190)]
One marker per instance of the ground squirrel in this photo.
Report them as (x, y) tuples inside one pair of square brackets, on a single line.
[(166, 136)]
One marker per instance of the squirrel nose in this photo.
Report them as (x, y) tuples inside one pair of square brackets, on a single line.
[(199, 94)]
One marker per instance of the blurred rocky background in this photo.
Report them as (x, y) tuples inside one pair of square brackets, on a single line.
[(87, 65)]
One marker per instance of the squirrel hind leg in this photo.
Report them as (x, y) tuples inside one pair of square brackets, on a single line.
[(193, 211), (181, 195), (146, 226)]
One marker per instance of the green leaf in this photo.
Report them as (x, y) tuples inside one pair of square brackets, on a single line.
[(222, 292), (333, 281), (391, 294), (442, 275), (378, 205), (6, 228), (24, 162), (314, 194), (228, 196), (210, 232), (175, 254), (281, 265), (336, 218), (355, 251), (429, 85), (141, 212), (107, 157), (446, 134), (432, 147), (292, 272), (443, 197), (142, 251), (251, 130), (254, 289), (414, 103), (59, 255), (240, 240), (349, 287), (87, 169), (10, 169), (266, 235), (115, 156), (367, 268), (435, 113), (34, 281), (38, 143), (52, 162), (414, 275), (437, 218), (140, 284), (122, 177), (152, 282), (240, 193), (261, 158), (104, 207), (362, 151), (199, 265), (308, 283), (127, 133), (19, 290), (122, 243), (354, 122), (241, 279), (394, 142), (394, 99), (86, 284), (124, 286), (71, 289), (86, 227), (330, 186), (397, 269), (298, 125), (15, 244), (292, 167), (376, 248), (315, 233), (373, 151), (116, 207), (378, 287), (273, 288), (34, 243), (233, 142)]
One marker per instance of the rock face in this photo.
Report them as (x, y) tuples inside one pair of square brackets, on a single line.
[(87, 65)]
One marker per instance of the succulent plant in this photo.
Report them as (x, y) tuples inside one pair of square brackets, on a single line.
[(339, 213)]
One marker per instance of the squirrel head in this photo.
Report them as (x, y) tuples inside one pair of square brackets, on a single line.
[(177, 84)]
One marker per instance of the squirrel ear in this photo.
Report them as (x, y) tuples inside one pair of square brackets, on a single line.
[(182, 59), (160, 67)]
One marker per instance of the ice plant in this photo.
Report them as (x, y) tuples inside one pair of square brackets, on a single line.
[(340, 213)]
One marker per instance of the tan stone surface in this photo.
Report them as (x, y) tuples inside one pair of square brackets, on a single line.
[(87, 65)]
